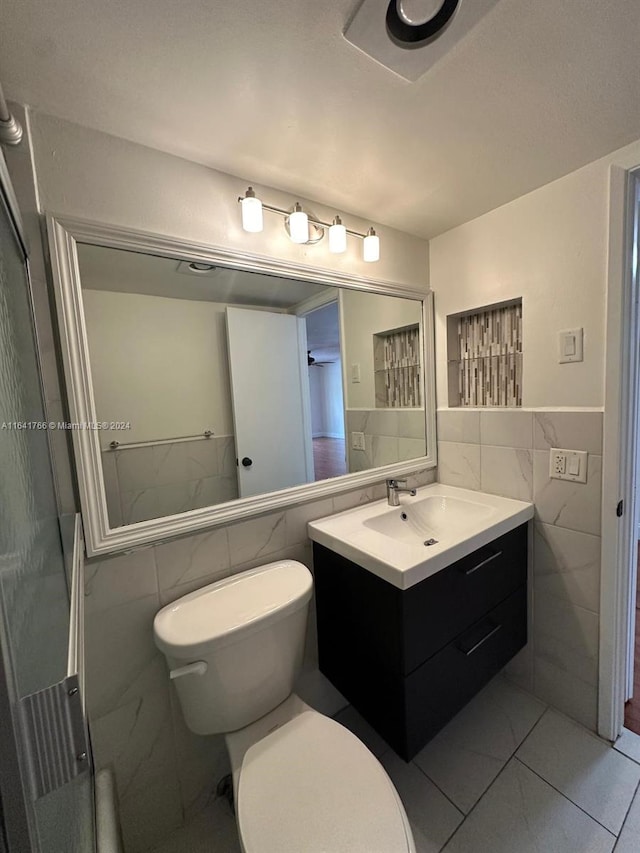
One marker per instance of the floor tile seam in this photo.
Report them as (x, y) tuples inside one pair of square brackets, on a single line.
[(547, 708), (453, 833), (507, 760), (480, 798), (567, 798), (585, 730), (444, 794), (635, 794), (626, 755)]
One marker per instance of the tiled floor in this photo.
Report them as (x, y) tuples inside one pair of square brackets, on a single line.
[(507, 775)]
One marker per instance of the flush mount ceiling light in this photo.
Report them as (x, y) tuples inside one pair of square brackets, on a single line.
[(410, 36), (196, 268), (305, 229)]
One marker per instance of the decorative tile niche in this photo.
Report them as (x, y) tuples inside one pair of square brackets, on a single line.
[(484, 352), (396, 363)]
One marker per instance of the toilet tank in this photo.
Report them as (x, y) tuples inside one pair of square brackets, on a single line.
[(235, 647)]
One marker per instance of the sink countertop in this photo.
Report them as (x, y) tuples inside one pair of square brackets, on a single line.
[(378, 537)]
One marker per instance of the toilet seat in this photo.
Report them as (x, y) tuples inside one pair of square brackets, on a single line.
[(312, 786)]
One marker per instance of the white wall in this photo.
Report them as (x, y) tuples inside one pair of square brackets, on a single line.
[(159, 363), (363, 316), (550, 247), (334, 401), (327, 407), (91, 175)]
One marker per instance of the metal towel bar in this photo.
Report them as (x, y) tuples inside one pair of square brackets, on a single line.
[(124, 445)]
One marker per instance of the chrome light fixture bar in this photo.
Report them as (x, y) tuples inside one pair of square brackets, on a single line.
[(305, 229)]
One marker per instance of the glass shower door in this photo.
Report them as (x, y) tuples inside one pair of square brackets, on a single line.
[(34, 594)]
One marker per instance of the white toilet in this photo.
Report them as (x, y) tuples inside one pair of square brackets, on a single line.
[(302, 782)]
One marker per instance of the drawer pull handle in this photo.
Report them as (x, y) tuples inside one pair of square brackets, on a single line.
[(483, 563), (476, 646)]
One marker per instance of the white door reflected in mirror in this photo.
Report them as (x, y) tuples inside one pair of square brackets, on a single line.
[(271, 406)]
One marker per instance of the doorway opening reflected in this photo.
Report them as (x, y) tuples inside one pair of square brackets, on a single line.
[(324, 361)]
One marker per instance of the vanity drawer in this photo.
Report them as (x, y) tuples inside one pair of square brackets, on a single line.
[(444, 605), (445, 683)]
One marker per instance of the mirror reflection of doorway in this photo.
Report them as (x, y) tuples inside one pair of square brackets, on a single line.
[(325, 386)]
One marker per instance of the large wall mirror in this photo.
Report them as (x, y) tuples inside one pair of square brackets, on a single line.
[(216, 386)]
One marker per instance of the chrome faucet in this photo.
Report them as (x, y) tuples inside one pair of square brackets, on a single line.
[(394, 488)]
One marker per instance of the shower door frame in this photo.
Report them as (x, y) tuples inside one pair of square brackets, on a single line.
[(44, 743), (16, 827)]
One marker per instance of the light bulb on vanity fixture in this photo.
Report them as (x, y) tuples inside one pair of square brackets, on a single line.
[(298, 225), (371, 247), (251, 212), (305, 229), (337, 237)]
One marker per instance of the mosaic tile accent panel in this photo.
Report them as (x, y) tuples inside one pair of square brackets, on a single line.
[(485, 368), (396, 359)]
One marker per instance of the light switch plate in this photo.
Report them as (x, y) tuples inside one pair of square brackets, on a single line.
[(355, 373), (568, 465), (570, 346), (357, 441)]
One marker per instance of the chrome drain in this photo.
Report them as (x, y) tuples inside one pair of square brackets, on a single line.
[(430, 542)]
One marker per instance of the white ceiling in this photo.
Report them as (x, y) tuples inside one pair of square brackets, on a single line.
[(271, 91), (119, 271)]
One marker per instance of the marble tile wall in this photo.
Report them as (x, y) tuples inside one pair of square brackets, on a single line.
[(163, 479), (389, 436), (164, 773), (507, 453)]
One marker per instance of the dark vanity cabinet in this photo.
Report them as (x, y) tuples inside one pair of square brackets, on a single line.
[(408, 660)]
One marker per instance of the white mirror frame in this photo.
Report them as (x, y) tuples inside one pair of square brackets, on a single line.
[(64, 234)]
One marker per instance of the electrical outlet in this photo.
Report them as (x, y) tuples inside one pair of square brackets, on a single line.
[(357, 441), (558, 462), (568, 465)]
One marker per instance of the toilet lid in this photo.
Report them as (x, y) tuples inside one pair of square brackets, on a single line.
[(312, 786)]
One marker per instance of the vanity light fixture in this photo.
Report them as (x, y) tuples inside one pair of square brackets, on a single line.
[(305, 229)]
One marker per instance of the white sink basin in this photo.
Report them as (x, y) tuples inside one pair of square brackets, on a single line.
[(406, 544)]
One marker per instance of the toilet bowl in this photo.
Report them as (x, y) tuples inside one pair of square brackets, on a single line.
[(302, 782)]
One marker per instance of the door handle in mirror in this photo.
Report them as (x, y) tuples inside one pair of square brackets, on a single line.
[(247, 462)]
